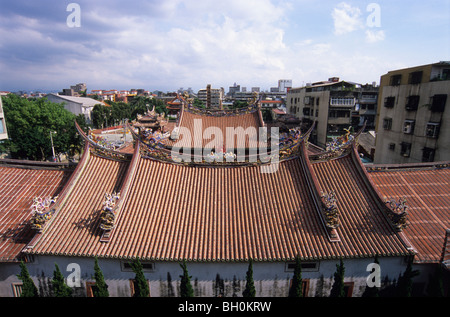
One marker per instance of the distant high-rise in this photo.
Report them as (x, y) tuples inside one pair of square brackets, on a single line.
[(284, 85), (211, 97)]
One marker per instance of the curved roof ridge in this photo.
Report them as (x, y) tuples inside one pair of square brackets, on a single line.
[(102, 150)]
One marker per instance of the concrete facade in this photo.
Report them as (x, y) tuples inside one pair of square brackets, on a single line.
[(334, 106), (209, 279), (409, 128)]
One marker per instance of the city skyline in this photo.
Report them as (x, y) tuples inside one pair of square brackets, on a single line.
[(165, 45)]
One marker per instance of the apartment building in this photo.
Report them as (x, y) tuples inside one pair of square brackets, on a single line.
[(413, 117), (334, 105), (211, 97)]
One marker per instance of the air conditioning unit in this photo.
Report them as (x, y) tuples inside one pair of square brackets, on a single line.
[(408, 127)]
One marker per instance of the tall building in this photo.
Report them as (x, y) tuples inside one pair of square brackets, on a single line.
[(211, 97), (413, 121), (284, 85), (334, 105)]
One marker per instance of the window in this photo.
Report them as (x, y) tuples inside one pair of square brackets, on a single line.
[(90, 287), (306, 266), (446, 73), (342, 101), (432, 130), (387, 123), (146, 266), (438, 103), (395, 80), (392, 146), (305, 287), (428, 154), (348, 288), (408, 127), (389, 102), (405, 150), (415, 78), (17, 289), (306, 111), (317, 101), (133, 287), (412, 103)]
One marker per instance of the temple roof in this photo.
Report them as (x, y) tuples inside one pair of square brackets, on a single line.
[(20, 183), (321, 206), (425, 187), (169, 211)]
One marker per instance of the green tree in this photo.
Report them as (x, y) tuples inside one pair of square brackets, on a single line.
[(337, 289), (185, 285), (141, 288), (405, 281), (101, 288), (296, 289), (30, 123), (249, 290), (28, 287), (60, 289)]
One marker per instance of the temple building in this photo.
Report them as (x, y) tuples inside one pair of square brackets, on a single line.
[(187, 195)]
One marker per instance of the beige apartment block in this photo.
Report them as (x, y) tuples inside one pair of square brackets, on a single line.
[(413, 117), (334, 106)]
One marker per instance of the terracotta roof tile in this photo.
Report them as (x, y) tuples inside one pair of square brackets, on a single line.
[(173, 212), (18, 188), (75, 226), (427, 192)]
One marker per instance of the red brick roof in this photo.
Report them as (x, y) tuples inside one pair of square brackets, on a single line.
[(244, 121), (18, 187), (173, 212), (427, 193)]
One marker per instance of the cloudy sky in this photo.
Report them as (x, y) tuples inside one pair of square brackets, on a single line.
[(168, 44)]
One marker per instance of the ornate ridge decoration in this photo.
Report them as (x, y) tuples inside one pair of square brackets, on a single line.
[(339, 146), (397, 212), (330, 211), (102, 148), (107, 215), (42, 211), (289, 145)]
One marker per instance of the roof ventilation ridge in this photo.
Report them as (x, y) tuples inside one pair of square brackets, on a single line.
[(62, 197), (325, 203), (112, 206)]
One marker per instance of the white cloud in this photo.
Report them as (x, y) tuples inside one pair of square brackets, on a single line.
[(346, 18)]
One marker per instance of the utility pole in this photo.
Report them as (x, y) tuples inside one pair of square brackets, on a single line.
[(53, 148)]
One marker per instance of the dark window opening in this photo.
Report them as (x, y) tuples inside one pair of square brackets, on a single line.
[(396, 80), (428, 154), (412, 103), (415, 78), (389, 102), (405, 149), (438, 103)]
